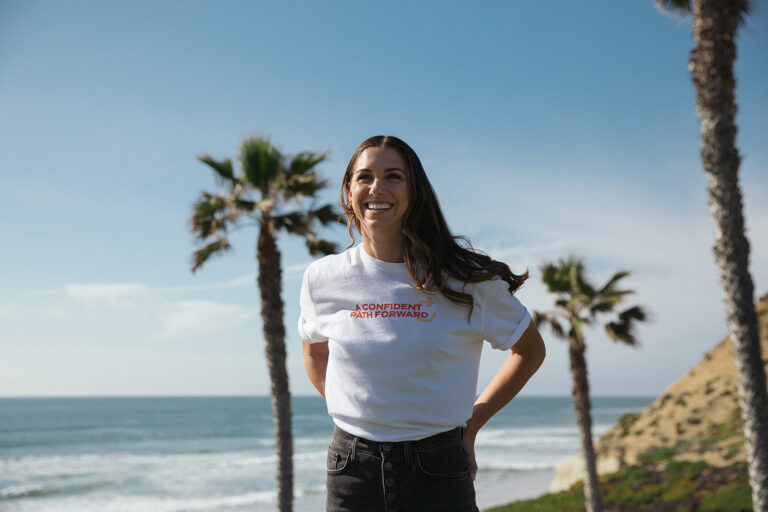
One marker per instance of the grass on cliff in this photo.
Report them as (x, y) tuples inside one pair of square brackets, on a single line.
[(678, 486)]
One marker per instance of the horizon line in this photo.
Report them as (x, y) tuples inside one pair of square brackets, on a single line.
[(17, 397)]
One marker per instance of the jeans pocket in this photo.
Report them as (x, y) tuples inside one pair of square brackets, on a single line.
[(337, 460), (445, 462)]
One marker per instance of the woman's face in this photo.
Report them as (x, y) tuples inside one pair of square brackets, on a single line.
[(378, 191)]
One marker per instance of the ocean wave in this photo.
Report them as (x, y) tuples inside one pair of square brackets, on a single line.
[(533, 442), (38, 490), (17, 491), (519, 461), (297, 441), (534, 433), (172, 472), (114, 502)]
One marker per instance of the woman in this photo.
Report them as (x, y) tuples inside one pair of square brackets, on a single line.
[(392, 333)]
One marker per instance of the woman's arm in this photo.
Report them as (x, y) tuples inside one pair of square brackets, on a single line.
[(316, 362), (524, 359)]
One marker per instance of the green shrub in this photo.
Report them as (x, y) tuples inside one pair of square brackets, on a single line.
[(568, 501), (733, 449), (729, 498), (677, 492), (656, 455), (626, 422), (685, 468)]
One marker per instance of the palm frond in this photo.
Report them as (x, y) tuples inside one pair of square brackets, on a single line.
[(302, 163), (617, 294), (675, 8), (249, 206), (541, 319), (262, 163), (605, 304), (319, 246), (295, 223), (557, 276), (567, 277), (211, 214), (326, 214), (623, 330), (223, 173), (635, 313), (297, 187), (609, 286), (619, 332), (683, 9), (200, 256)]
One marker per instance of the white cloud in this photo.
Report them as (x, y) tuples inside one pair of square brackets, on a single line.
[(187, 318), (112, 294), (147, 309)]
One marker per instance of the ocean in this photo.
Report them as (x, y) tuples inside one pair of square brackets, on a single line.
[(216, 454)]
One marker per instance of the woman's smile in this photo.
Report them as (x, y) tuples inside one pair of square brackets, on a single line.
[(378, 206)]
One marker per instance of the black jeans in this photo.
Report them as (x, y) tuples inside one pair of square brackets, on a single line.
[(428, 475)]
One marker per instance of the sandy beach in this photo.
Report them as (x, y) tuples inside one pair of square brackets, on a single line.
[(499, 488)]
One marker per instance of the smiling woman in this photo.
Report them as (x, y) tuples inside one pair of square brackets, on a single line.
[(393, 331), (377, 191)]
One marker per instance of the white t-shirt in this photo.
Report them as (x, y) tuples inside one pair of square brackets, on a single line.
[(403, 364)]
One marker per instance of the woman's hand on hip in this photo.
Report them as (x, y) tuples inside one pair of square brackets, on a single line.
[(469, 447)]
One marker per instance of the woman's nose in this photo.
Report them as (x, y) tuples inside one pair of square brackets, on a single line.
[(375, 185)]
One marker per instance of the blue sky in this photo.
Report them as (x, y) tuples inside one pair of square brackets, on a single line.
[(547, 129)]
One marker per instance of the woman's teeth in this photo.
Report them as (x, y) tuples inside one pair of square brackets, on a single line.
[(379, 206)]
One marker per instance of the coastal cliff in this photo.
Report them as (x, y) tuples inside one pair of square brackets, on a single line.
[(696, 419)]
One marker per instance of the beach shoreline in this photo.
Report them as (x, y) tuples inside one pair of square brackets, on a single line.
[(496, 488)]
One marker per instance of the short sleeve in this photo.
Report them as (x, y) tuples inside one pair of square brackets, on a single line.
[(503, 318), (307, 316)]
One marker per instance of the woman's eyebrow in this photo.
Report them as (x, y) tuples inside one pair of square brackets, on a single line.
[(385, 170)]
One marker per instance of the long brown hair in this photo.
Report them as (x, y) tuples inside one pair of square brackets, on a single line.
[(431, 253)]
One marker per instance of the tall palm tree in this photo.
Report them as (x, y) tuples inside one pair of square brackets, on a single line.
[(578, 304), (266, 184), (715, 28)]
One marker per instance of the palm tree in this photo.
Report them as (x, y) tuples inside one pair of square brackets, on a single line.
[(267, 183), (578, 303), (715, 28)]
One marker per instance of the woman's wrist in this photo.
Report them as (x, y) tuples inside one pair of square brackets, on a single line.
[(476, 421)]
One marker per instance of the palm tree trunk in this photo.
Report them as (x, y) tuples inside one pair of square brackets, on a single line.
[(270, 286), (583, 409), (714, 29)]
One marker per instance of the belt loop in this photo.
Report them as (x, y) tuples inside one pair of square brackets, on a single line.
[(354, 445), (407, 447)]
